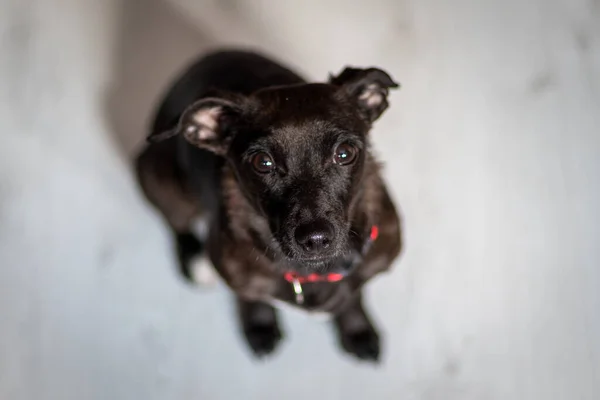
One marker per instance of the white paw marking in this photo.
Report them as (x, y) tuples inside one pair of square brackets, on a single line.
[(203, 272)]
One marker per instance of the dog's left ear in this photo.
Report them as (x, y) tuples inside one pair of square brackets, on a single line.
[(368, 86), (208, 124)]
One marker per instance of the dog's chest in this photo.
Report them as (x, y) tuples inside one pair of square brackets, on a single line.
[(318, 299)]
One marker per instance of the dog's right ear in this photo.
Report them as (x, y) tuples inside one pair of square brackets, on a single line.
[(206, 124), (369, 87)]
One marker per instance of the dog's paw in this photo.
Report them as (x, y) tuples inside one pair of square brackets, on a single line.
[(202, 272), (364, 344), (263, 339)]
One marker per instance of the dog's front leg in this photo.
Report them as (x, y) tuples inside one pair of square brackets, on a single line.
[(260, 326), (356, 332)]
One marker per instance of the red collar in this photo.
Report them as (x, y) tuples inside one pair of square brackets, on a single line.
[(293, 277)]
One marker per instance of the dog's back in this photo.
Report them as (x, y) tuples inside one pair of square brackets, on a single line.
[(236, 71)]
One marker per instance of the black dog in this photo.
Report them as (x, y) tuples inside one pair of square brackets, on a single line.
[(283, 172)]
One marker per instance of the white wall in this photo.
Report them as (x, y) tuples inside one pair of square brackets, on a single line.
[(492, 150)]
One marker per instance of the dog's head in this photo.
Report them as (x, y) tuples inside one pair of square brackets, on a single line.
[(300, 154)]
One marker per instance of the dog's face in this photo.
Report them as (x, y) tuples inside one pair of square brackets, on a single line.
[(299, 154)]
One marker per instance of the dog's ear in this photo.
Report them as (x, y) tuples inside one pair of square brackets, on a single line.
[(369, 87), (207, 123)]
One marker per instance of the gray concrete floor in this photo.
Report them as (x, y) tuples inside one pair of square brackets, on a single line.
[(492, 150)]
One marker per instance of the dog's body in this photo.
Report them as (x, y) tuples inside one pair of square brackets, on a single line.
[(281, 170)]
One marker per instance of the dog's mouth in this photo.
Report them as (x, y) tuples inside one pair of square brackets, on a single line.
[(340, 264), (314, 262)]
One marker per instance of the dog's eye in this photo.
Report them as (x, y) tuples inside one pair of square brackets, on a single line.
[(345, 154), (263, 163)]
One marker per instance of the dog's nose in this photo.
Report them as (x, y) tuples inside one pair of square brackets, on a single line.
[(315, 236)]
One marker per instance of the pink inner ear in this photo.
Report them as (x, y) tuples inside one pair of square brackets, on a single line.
[(207, 120), (374, 99), (372, 96)]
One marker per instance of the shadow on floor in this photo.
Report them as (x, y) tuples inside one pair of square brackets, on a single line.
[(154, 43)]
